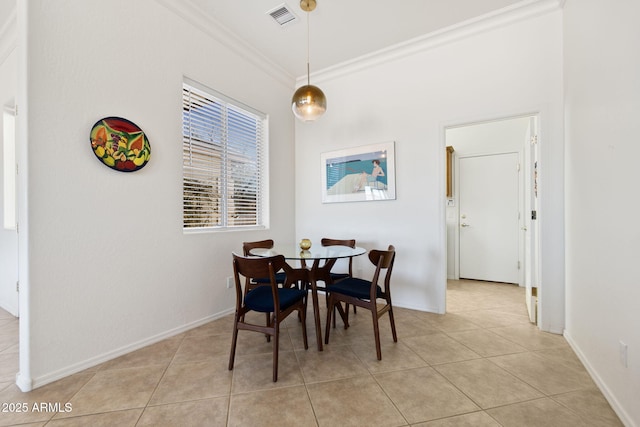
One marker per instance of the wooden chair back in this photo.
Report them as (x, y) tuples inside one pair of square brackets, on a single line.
[(337, 242)]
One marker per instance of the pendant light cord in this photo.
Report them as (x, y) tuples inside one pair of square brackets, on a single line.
[(308, 54)]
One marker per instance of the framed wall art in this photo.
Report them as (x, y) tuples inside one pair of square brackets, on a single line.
[(359, 174), (120, 144)]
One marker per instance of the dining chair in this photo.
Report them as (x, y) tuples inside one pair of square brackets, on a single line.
[(251, 283), (365, 293), (334, 275), (262, 244), (280, 302)]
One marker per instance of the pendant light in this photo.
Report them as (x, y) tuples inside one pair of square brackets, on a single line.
[(308, 102)]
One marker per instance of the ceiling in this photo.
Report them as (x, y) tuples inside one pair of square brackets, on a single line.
[(340, 30)]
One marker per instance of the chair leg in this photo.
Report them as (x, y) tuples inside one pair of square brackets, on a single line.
[(303, 318), (376, 331), (234, 340), (276, 338), (268, 325), (346, 315), (329, 313), (393, 324), (354, 309), (334, 316)]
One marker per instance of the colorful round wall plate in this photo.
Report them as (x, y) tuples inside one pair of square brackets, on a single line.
[(120, 144)]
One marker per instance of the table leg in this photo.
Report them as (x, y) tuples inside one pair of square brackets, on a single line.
[(316, 307)]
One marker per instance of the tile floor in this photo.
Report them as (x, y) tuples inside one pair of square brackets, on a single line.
[(481, 364)]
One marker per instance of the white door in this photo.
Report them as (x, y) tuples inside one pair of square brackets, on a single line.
[(489, 226)]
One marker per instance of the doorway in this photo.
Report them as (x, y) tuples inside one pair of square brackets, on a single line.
[(8, 226), (499, 154)]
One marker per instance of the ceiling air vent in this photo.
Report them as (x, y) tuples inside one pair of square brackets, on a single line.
[(283, 15)]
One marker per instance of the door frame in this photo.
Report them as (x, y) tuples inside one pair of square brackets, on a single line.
[(537, 115)]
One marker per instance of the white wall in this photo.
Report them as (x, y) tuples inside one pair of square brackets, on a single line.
[(500, 136), (602, 92), (8, 237), (410, 99), (109, 267)]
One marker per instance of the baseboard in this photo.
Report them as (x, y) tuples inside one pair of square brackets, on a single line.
[(401, 304), (606, 392), (23, 383), (27, 384)]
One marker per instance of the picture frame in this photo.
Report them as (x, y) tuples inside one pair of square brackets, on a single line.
[(359, 174)]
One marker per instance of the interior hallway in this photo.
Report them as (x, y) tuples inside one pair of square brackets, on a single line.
[(481, 364)]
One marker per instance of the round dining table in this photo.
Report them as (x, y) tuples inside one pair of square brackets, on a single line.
[(321, 260)]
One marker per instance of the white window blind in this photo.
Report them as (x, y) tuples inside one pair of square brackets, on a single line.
[(223, 145)]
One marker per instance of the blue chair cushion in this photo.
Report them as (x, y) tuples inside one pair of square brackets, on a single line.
[(280, 278), (354, 287), (261, 299), (338, 276)]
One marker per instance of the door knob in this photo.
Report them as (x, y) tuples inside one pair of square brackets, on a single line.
[(464, 225)]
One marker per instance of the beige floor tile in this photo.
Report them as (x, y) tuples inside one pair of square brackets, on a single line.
[(60, 392), (250, 342), (357, 401), (364, 334), (7, 384), (255, 372), (535, 413), (530, 337), (423, 394), (591, 406), (282, 407), (9, 366), (540, 373), (199, 348), (440, 348), (193, 381), (487, 384), (115, 390), (332, 363), (407, 327), (14, 349), (207, 412), (474, 419), (562, 356), (448, 322), (486, 343), (34, 425), (492, 318), (127, 418), (222, 326), (8, 339), (395, 356), (442, 369), (295, 336), (156, 354)]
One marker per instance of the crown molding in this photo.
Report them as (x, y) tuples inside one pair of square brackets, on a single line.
[(9, 35), (523, 10), (194, 15)]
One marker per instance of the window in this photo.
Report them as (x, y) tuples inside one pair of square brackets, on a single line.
[(223, 163), (9, 155)]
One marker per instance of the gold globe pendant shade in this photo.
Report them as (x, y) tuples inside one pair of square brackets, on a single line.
[(308, 103)]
